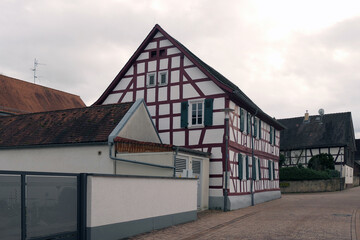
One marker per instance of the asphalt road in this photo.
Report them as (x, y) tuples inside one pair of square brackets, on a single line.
[(328, 216)]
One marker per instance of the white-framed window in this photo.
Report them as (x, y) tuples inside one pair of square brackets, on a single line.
[(196, 116), (163, 78), (151, 79)]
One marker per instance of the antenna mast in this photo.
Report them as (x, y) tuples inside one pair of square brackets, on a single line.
[(36, 63)]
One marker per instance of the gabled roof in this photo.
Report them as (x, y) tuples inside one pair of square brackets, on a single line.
[(17, 96), (334, 130), (79, 125), (235, 93)]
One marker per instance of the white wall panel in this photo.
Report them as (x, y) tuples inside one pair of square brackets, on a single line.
[(175, 62), (165, 43), (175, 93), (219, 103), (194, 136), (162, 94), (216, 152), (164, 109), (164, 63), (140, 68), (218, 118), (122, 85), (195, 73), (151, 110), (130, 71), (140, 94), (176, 122), (158, 35), (151, 45), (175, 76), (151, 95), (216, 181), (187, 62), (179, 138), (164, 123), (209, 88), (112, 98), (213, 136), (189, 91), (165, 137), (151, 66), (216, 168), (140, 81), (176, 108), (215, 192), (172, 51), (143, 56)]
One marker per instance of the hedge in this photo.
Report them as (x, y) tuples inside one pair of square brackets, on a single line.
[(299, 174)]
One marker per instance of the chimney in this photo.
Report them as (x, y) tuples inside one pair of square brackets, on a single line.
[(306, 118)]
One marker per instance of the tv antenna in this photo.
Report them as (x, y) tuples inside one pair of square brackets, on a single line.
[(36, 63)]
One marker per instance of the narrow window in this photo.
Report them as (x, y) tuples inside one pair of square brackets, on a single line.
[(162, 52), (162, 78), (208, 112), (271, 135), (151, 79), (242, 120), (197, 113), (153, 54), (184, 114)]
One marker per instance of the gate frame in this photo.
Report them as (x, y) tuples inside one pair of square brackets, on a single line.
[(81, 201)]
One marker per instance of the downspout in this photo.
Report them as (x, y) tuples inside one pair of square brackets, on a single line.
[(135, 162), (252, 157)]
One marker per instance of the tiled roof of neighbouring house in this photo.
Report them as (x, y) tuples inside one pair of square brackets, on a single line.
[(17, 96), (335, 129), (79, 125), (237, 95)]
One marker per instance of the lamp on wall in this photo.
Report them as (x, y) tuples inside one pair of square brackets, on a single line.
[(227, 114)]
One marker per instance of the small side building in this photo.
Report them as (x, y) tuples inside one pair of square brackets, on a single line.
[(305, 137)]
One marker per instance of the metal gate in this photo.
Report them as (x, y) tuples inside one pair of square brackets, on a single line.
[(39, 206)]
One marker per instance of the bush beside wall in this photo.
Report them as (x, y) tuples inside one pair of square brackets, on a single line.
[(300, 174)]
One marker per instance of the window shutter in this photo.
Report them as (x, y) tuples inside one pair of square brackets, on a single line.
[(242, 123), (208, 115), (273, 169), (274, 136), (184, 114), (247, 167), (259, 165), (271, 135), (248, 123), (240, 166), (255, 128), (270, 172), (259, 128), (253, 168)]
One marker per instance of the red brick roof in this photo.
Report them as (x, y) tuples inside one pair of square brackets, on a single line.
[(17, 96), (78, 125), (134, 146)]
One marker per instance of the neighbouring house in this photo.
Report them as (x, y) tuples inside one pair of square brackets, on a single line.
[(18, 97), (357, 163), (305, 137), (187, 99), (92, 140)]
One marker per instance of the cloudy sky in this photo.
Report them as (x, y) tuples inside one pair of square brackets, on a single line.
[(287, 56)]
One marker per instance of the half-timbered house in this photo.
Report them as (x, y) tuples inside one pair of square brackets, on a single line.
[(186, 99), (305, 137)]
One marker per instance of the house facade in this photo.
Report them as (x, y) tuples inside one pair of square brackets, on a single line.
[(186, 99), (305, 137)]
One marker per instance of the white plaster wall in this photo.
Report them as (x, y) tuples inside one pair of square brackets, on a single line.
[(74, 159), (112, 98), (139, 120), (195, 73), (161, 158), (115, 199)]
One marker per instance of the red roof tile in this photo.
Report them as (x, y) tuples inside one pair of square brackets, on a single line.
[(17, 96), (78, 125)]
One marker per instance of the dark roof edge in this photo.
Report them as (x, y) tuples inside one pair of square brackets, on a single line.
[(313, 146), (55, 145)]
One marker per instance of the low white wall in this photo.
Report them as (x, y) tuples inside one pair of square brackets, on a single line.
[(70, 159), (113, 199)]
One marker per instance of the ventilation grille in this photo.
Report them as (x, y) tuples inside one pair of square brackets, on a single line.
[(180, 165), (196, 167)]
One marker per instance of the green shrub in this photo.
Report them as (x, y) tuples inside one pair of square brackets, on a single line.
[(321, 162), (299, 174), (333, 173)]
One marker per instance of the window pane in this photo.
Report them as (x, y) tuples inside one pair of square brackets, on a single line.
[(152, 80), (163, 78), (10, 207), (51, 205)]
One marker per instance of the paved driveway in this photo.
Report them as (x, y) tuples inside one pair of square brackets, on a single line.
[(327, 216)]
